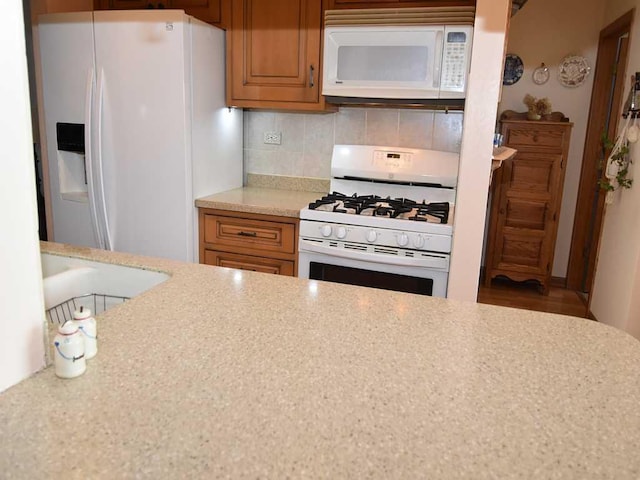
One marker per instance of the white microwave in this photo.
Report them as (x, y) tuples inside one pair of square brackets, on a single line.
[(397, 62)]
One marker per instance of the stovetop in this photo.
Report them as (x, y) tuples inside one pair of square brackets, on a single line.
[(401, 190), (377, 206)]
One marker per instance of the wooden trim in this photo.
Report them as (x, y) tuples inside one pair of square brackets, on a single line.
[(550, 118), (339, 4), (454, 15), (582, 254), (558, 282)]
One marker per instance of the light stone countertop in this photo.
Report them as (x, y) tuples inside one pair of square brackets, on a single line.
[(224, 373), (266, 201)]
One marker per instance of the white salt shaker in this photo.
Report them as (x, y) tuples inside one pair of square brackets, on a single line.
[(89, 330), (69, 351)]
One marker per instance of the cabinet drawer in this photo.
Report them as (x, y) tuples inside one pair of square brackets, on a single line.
[(248, 262), (538, 136), (250, 233)]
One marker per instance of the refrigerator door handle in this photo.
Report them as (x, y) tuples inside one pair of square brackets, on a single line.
[(88, 147), (99, 166)]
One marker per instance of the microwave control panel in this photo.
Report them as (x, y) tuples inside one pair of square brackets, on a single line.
[(455, 60)]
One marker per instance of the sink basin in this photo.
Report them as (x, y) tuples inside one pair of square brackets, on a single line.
[(71, 282)]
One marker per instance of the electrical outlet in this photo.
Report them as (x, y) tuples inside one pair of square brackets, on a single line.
[(273, 138)]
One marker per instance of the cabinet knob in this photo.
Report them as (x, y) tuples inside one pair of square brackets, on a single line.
[(311, 82)]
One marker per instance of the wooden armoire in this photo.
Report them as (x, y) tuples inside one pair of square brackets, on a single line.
[(526, 198)]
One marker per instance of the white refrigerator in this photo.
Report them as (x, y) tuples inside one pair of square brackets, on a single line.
[(136, 128)]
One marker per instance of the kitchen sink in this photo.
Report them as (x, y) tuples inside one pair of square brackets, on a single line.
[(71, 282)]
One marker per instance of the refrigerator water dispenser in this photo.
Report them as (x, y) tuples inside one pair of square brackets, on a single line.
[(71, 161)]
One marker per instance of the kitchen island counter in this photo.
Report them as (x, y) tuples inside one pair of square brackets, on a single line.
[(226, 373)]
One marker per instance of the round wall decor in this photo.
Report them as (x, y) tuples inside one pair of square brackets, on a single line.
[(573, 71), (513, 69), (541, 75)]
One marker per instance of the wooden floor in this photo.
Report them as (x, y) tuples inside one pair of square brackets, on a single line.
[(526, 295)]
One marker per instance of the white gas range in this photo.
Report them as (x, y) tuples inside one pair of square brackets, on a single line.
[(387, 222)]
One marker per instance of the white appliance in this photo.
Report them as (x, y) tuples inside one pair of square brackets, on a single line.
[(136, 128), (388, 222), (397, 62)]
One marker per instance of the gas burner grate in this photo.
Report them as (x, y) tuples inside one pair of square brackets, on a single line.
[(376, 206)]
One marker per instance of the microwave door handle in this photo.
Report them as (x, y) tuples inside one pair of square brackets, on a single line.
[(437, 69)]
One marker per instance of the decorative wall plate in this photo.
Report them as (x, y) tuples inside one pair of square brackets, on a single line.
[(513, 69), (573, 71), (541, 75)]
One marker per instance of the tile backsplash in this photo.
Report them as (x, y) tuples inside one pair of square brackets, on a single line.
[(307, 140)]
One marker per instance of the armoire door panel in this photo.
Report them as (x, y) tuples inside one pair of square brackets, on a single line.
[(526, 214), (534, 173), (521, 250)]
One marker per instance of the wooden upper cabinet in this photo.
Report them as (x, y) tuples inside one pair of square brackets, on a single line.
[(338, 4), (210, 11), (273, 54)]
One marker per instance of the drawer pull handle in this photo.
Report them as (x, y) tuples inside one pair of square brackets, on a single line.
[(247, 234)]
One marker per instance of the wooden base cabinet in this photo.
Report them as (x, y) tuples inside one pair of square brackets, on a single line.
[(261, 243), (525, 207)]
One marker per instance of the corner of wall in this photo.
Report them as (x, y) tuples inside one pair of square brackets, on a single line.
[(477, 145)]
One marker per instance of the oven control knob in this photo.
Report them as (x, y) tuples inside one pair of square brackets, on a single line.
[(418, 241), (326, 230), (341, 232), (372, 236), (403, 239)]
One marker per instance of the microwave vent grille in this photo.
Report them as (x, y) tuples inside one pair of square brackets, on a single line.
[(400, 16)]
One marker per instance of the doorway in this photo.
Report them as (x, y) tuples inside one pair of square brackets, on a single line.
[(608, 88)]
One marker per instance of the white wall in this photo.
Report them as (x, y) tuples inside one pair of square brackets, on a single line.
[(546, 31), (616, 292), (475, 156), (21, 300)]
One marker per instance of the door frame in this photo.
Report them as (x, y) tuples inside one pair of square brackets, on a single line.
[(590, 204)]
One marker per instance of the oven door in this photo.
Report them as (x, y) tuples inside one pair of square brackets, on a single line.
[(397, 274)]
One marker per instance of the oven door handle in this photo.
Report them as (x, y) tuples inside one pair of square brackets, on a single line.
[(434, 261)]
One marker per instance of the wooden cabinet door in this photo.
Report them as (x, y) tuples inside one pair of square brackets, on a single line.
[(526, 219), (210, 11), (273, 51), (122, 4), (247, 262)]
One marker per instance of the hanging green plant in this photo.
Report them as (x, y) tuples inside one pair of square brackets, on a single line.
[(617, 165)]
